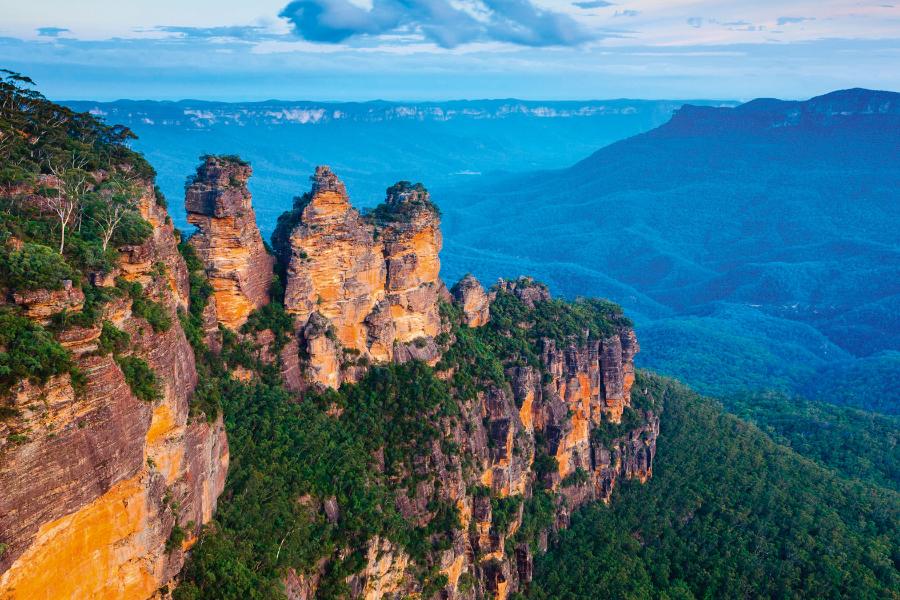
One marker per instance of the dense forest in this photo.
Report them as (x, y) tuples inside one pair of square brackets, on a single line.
[(729, 513), (856, 444)]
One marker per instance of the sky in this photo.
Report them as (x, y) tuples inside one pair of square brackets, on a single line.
[(448, 49)]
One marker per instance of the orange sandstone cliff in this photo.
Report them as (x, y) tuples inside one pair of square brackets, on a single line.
[(94, 482), (362, 288), (227, 239)]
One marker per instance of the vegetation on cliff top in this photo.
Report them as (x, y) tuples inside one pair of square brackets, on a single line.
[(514, 335), (402, 200), (69, 190), (66, 181), (36, 134)]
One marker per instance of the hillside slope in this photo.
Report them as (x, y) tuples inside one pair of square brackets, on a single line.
[(373, 144), (755, 246), (728, 514)]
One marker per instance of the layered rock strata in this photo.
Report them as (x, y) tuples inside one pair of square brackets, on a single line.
[(362, 288), (227, 239), (94, 480)]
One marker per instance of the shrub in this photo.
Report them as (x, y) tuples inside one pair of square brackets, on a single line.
[(175, 538), (113, 340), (160, 197), (140, 377), (503, 511), (28, 352), (133, 230), (153, 312), (35, 267), (576, 477), (273, 317)]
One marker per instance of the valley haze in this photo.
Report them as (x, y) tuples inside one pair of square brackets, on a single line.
[(777, 339)]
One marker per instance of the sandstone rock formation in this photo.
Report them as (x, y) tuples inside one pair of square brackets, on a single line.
[(409, 227), (473, 301), (374, 279), (227, 239), (96, 480), (41, 305), (336, 267), (554, 411)]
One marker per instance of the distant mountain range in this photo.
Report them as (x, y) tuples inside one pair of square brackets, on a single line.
[(202, 114), (371, 145), (757, 245)]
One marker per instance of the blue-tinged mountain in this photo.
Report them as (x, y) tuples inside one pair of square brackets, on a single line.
[(373, 144), (758, 245)]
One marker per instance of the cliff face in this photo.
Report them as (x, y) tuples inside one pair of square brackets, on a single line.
[(94, 479), (548, 436), (362, 289), (548, 428), (534, 416), (564, 412), (227, 238), (336, 268), (409, 227)]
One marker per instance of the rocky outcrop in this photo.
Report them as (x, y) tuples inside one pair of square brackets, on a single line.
[(409, 227), (473, 301), (336, 268), (94, 479), (41, 305), (551, 429), (366, 289), (563, 412), (374, 279), (227, 239)]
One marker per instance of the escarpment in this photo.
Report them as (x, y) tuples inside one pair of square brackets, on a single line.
[(529, 414), (227, 240), (534, 426), (106, 477), (390, 437)]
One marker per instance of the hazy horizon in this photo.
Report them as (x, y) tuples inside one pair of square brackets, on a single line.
[(447, 100), (427, 50)]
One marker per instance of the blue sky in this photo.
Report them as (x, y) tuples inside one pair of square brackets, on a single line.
[(441, 49)]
